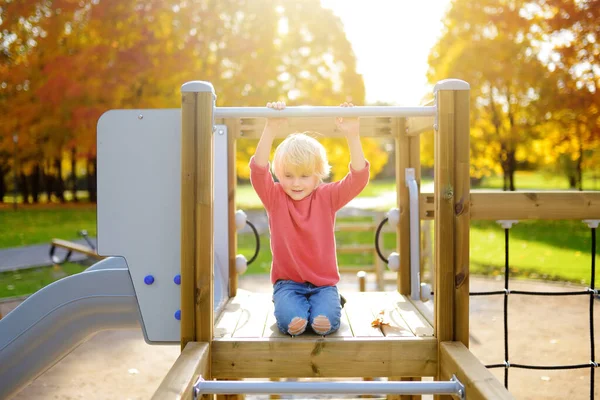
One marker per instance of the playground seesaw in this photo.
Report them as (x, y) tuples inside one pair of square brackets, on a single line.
[(172, 265)]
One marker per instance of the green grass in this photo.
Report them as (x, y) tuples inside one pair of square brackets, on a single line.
[(530, 180), (24, 282), (34, 226)]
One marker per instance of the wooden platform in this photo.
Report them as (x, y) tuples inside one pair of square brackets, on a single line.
[(247, 343)]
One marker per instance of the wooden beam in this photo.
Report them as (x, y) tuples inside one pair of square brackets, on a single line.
[(204, 265), (197, 214), (329, 357), (547, 205), (535, 205), (251, 128), (480, 383), (417, 125), (462, 220), (188, 215), (402, 196), (444, 186), (179, 381), (232, 129)]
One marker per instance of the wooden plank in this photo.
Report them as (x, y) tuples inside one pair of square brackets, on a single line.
[(480, 383), (230, 316), (179, 381), (324, 357), (232, 128), (360, 315), (355, 248), (444, 217), (251, 128), (462, 182), (80, 248), (417, 323), (383, 306), (423, 310), (271, 330), (417, 125), (547, 205), (535, 205), (403, 228), (188, 216), (254, 316)]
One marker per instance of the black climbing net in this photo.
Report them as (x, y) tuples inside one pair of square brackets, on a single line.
[(591, 292)]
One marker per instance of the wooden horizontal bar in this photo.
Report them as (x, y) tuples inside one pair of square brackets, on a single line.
[(80, 248), (324, 357), (251, 128), (191, 363), (551, 205), (479, 382), (356, 248), (535, 205), (416, 126), (324, 111)]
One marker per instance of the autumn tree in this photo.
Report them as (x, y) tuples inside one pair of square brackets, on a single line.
[(489, 44), (571, 99), (91, 56)]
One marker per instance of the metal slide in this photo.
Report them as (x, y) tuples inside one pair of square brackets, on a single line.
[(55, 320)]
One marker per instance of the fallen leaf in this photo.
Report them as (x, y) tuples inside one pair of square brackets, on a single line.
[(380, 320)]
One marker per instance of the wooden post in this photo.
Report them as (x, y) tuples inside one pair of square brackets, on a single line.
[(197, 250), (451, 187), (232, 128), (403, 228)]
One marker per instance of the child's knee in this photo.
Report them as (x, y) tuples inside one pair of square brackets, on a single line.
[(321, 324), (297, 326)]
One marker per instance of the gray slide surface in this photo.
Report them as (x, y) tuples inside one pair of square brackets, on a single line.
[(55, 320)]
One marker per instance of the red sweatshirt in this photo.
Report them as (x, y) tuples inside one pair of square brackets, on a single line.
[(302, 232)]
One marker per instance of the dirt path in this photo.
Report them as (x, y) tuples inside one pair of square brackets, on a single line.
[(542, 330)]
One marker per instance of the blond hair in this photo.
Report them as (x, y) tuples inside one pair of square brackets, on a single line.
[(302, 154)]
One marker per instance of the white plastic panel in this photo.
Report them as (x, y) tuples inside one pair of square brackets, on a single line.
[(139, 203)]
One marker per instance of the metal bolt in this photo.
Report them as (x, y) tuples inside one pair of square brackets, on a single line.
[(140, 116), (435, 127)]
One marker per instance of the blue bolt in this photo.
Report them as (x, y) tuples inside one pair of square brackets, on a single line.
[(177, 279), (148, 279), (178, 315)]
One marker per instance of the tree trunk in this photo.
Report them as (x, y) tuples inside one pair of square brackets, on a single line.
[(579, 162), (74, 173), (48, 182), (24, 187), (91, 178), (35, 183), (59, 183), (512, 166), (3, 172)]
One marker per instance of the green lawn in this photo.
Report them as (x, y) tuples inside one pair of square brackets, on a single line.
[(24, 282), (34, 226), (530, 180)]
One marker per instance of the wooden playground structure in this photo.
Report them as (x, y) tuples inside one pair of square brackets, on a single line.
[(240, 340)]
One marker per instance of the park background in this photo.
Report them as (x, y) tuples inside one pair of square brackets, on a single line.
[(533, 68)]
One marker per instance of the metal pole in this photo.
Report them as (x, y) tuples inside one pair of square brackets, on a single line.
[(452, 387), (325, 111), (15, 167)]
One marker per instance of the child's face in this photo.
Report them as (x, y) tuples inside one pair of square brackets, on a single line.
[(298, 185)]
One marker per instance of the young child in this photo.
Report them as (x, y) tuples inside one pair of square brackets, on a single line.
[(301, 211)]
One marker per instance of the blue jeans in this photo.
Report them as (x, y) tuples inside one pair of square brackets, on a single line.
[(306, 301)]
